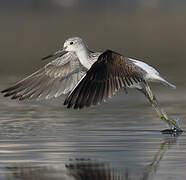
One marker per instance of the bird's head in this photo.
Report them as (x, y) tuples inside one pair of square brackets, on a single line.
[(74, 44)]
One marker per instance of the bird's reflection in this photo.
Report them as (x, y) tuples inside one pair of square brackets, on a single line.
[(151, 169), (88, 169)]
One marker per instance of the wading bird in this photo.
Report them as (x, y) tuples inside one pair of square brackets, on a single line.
[(88, 78)]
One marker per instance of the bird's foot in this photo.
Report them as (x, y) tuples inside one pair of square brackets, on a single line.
[(173, 131), (173, 124)]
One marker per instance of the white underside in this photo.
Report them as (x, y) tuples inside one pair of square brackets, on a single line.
[(152, 74)]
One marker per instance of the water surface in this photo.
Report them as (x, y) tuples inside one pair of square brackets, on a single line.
[(45, 138), (120, 139)]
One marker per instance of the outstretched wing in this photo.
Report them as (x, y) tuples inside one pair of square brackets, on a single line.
[(108, 74), (56, 78)]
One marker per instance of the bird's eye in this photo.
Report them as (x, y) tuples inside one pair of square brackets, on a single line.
[(71, 43)]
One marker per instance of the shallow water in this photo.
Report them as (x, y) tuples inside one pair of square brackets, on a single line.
[(120, 139), (45, 140)]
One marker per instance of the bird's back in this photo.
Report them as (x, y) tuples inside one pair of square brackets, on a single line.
[(93, 57)]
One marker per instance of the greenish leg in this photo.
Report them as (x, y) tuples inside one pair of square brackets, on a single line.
[(160, 112)]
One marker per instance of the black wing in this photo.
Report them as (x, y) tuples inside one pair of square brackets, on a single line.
[(108, 74)]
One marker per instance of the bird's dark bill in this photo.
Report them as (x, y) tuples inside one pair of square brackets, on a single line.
[(56, 54), (47, 57)]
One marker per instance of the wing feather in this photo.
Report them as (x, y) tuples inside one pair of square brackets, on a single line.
[(107, 75), (56, 78)]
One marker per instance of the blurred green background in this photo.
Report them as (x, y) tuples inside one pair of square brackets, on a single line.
[(149, 30)]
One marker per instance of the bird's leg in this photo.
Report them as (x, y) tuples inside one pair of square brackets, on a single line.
[(160, 112)]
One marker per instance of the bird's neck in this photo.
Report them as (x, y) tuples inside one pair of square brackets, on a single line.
[(83, 55)]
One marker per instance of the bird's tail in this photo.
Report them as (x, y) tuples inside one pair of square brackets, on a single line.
[(166, 83)]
